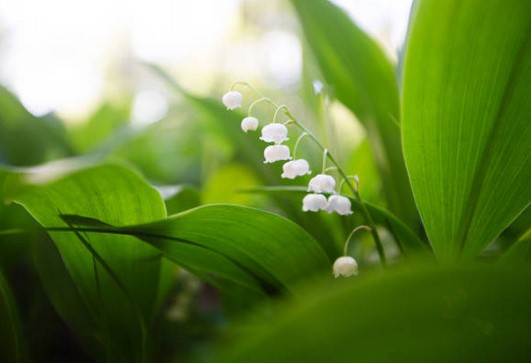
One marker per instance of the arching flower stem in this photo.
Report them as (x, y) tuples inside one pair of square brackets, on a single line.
[(260, 100), (363, 208), (304, 134), (345, 249)]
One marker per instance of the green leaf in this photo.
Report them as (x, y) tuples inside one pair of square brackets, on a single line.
[(179, 198), (258, 250), (26, 139), (116, 195), (11, 345), (363, 80), (466, 130), (62, 291), (471, 314), (271, 247)]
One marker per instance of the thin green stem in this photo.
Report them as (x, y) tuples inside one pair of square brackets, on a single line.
[(297, 144), (323, 168), (345, 249), (262, 99), (353, 177), (278, 111), (363, 208), (248, 86)]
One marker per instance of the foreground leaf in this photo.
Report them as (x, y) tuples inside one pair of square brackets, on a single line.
[(11, 347), (257, 250), (469, 315), (124, 301), (466, 129)]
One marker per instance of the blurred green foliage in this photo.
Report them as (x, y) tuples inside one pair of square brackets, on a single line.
[(113, 247)]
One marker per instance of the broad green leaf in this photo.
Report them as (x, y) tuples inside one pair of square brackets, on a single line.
[(420, 314), (26, 139), (363, 80), (123, 301), (255, 249), (466, 130), (11, 345), (58, 284), (271, 247)]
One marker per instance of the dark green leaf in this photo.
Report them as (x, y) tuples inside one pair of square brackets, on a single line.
[(116, 195), (420, 314), (11, 345)]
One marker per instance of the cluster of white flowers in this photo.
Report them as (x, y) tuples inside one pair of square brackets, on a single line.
[(324, 183), (276, 134)]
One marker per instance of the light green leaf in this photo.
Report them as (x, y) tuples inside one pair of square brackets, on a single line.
[(119, 196), (271, 247), (466, 130), (363, 80), (470, 314), (11, 345), (257, 250)]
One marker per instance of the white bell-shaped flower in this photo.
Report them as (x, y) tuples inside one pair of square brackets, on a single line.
[(322, 183), (232, 100), (295, 168), (274, 132), (249, 123), (274, 153), (313, 202), (339, 204), (345, 266)]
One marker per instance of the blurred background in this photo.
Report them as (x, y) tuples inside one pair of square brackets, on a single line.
[(68, 57), (140, 82), (84, 65)]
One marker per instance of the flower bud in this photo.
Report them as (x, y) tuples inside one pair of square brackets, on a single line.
[(339, 204), (345, 266), (274, 132), (322, 183), (249, 123), (313, 202), (295, 168), (232, 100), (274, 153)]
